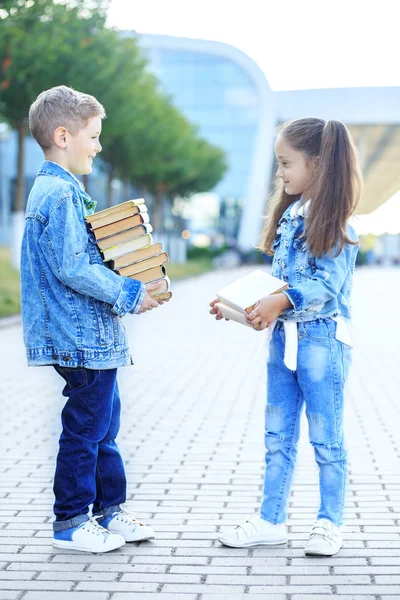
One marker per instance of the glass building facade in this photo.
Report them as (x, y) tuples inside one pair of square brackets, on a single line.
[(218, 93), (219, 96)]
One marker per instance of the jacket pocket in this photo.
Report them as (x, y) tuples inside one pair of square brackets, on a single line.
[(303, 260), (102, 321), (93, 251)]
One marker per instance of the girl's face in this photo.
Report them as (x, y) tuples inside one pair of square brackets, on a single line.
[(295, 170)]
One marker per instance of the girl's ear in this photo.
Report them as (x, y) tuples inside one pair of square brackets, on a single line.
[(315, 163), (60, 137)]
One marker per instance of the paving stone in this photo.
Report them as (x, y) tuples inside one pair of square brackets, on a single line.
[(193, 449)]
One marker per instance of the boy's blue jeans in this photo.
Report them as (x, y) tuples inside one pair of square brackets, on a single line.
[(318, 382), (89, 466)]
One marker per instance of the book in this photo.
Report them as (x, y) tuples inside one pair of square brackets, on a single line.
[(150, 275), (143, 265), (116, 213), (129, 246), (135, 256), (124, 236), (237, 299), (121, 225), (232, 314), (166, 284), (164, 296)]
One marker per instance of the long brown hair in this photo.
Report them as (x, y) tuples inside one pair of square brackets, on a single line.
[(334, 192)]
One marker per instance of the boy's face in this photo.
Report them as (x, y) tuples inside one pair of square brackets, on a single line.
[(83, 147)]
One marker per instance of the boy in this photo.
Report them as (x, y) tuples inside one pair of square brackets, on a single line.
[(71, 312)]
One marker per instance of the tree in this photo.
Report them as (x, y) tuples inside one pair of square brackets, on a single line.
[(44, 57)]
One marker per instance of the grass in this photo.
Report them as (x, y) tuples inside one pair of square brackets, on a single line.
[(9, 279), (9, 286), (189, 269)]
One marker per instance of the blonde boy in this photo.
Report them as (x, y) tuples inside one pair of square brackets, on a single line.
[(71, 310)]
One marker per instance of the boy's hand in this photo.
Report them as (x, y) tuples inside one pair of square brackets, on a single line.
[(267, 310), (148, 302), (214, 310)]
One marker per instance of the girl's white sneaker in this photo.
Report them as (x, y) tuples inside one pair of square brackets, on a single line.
[(325, 539), (255, 532)]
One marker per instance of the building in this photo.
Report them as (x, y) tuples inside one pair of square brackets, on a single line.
[(224, 92)]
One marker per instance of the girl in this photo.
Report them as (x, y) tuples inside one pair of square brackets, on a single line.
[(314, 249)]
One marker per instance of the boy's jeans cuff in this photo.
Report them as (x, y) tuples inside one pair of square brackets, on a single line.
[(74, 522), (108, 511)]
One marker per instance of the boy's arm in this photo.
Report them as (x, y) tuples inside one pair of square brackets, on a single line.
[(64, 244)]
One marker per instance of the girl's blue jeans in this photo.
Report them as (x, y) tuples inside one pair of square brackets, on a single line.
[(89, 466), (318, 383)]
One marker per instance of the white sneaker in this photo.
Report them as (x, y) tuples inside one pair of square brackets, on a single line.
[(254, 532), (87, 537), (325, 539), (128, 526)]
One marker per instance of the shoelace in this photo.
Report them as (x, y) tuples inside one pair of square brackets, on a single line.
[(93, 527), (126, 517)]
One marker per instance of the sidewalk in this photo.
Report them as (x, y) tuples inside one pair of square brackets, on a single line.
[(192, 437)]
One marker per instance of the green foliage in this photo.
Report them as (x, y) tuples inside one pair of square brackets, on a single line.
[(43, 44), (145, 138), (9, 286), (199, 252)]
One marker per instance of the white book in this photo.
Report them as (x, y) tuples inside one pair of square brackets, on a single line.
[(237, 299), (243, 293)]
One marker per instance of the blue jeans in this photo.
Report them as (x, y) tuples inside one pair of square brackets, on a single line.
[(89, 466), (318, 382)]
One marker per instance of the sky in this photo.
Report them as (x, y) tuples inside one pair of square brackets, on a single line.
[(299, 44)]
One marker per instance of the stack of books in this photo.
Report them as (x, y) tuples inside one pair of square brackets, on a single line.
[(123, 235)]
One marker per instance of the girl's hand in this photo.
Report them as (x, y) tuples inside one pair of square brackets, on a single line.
[(267, 310), (214, 310)]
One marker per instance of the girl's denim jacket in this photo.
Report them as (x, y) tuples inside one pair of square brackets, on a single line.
[(71, 303), (318, 287)]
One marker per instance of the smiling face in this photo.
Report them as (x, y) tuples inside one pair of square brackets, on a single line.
[(83, 147), (295, 169)]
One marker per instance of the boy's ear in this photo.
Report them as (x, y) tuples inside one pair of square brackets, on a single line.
[(60, 137)]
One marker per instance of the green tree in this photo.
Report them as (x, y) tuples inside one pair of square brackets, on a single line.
[(40, 44)]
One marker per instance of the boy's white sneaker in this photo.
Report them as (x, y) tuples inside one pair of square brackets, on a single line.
[(125, 524), (87, 537), (255, 532), (325, 539)]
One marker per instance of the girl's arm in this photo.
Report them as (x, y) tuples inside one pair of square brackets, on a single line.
[(330, 273)]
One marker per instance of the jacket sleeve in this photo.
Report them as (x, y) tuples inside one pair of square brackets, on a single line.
[(64, 244), (325, 283)]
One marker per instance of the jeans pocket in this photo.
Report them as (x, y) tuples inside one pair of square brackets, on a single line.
[(346, 352), (318, 331), (75, 377)]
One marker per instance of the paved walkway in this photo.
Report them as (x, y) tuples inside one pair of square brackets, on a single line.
[(192, 437)]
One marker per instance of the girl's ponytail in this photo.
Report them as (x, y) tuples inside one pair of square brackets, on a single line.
[(335, 191)]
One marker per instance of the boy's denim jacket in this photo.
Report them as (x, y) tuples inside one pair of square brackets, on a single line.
[(318, 287), (71, 302)]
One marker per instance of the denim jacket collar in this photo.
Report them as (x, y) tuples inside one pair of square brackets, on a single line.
[(48, 167)]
